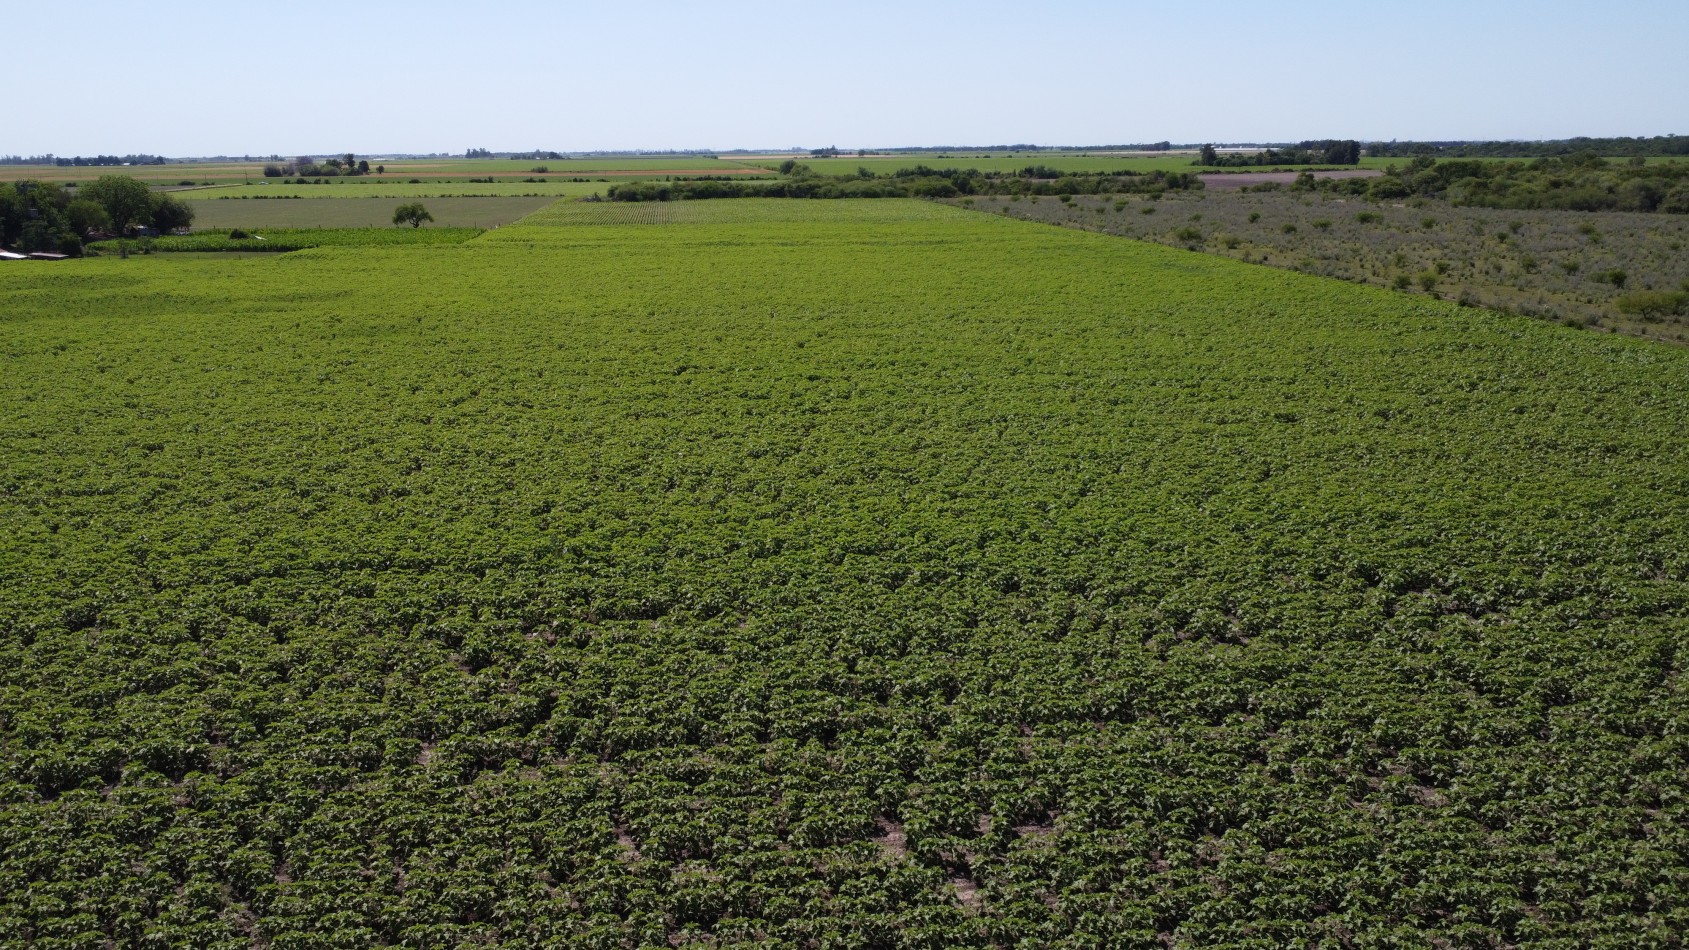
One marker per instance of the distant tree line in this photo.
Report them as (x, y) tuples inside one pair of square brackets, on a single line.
[(42, 216), (1324, 152), (347, 166), (78, 161), (1580, 182), (917, 182), (1621, 147)]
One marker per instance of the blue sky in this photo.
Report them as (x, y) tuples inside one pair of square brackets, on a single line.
[(191, 77)]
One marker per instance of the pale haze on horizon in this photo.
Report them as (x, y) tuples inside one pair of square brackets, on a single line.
[(197, 78)]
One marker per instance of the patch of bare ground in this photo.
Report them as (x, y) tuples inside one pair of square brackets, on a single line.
[(967, 891), (892, 838), (625, 841), (1234, 181)]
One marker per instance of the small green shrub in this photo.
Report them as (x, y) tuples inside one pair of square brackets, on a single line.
[(1653, 303)]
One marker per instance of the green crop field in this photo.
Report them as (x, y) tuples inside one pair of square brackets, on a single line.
[(360, 212), (829, 574)]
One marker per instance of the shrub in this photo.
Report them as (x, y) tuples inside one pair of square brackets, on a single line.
[(1191, 235), (1288, 228), (1615, 276), (238, 235), (1369, 217), (1653, 303), (1427, 223), (1254, 216), (1322, 224)]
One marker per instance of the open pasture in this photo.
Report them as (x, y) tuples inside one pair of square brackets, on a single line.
[(360, 212), (364, 188), (793, 573), (397, 170)]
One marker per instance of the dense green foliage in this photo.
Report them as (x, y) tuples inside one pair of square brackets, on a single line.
[(38, 216), (1330, 152), (1582, 182), (1621, 146), (840, 574), (42, 216), (919, 181), (295, 239)]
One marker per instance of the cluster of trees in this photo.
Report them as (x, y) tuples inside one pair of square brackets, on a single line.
[(1323, 152), (917, 182), (1580, 182), (80, 161), (347, 166), (1620, 147), (42, 216)]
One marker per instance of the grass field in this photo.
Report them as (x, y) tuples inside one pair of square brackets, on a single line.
[(360, 212), (396, 171), (361, 188), (845, 574)]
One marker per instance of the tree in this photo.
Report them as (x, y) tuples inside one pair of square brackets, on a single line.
[(170, 214), (127, 201), (1209, 156), (412, 214), (363, 167), (85, 215), (381, 169)]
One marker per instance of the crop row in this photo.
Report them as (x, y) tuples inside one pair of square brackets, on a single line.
[(892, 577)]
